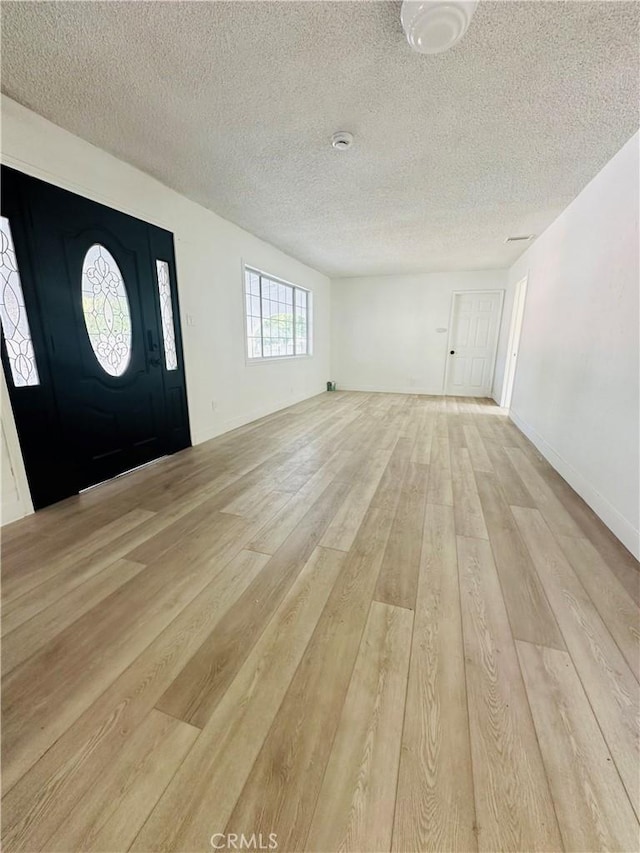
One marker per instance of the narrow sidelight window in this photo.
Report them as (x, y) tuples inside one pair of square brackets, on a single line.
[(166, 313), (13, 314)]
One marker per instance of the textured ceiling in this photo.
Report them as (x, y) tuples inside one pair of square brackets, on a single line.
[(233, 105)]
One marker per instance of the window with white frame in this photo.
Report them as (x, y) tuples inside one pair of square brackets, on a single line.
[(278, 317)]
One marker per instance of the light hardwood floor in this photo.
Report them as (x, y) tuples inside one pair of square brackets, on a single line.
[(368, 622)]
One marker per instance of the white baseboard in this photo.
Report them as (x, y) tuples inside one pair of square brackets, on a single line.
[(620, 526), (394, 389), (389, 389)]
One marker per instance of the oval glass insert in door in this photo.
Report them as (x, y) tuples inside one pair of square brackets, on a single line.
[(105, 306)]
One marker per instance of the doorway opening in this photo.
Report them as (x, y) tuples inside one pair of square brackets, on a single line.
[(517, 317)]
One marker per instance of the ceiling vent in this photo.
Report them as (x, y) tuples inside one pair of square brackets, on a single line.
[(520, 239)]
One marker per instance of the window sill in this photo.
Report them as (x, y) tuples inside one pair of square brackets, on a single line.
[(253, 362)]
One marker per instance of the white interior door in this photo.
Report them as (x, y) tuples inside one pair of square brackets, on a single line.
[(473, 341)]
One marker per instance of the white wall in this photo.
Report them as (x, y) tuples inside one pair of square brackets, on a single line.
[(577, 383), (383, 329), (223, 391)]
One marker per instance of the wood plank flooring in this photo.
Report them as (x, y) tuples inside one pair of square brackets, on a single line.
[(367, 622)]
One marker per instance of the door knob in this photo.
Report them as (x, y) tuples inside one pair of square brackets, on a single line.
[(452, 352)]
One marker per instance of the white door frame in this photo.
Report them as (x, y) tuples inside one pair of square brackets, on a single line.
[(517, 318), (495, 350)]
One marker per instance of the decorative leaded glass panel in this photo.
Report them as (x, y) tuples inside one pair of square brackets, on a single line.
[(106, 310), (13, 315), (166, 313)]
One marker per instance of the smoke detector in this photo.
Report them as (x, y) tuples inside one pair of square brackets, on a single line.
[(433, 26), (342, 140)]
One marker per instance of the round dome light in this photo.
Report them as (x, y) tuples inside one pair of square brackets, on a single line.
[(433, 26)]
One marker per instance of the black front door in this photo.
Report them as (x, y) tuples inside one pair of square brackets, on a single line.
[(99, 292)]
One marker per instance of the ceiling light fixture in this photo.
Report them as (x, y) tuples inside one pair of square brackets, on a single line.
[(342, 140), (433, 26)]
